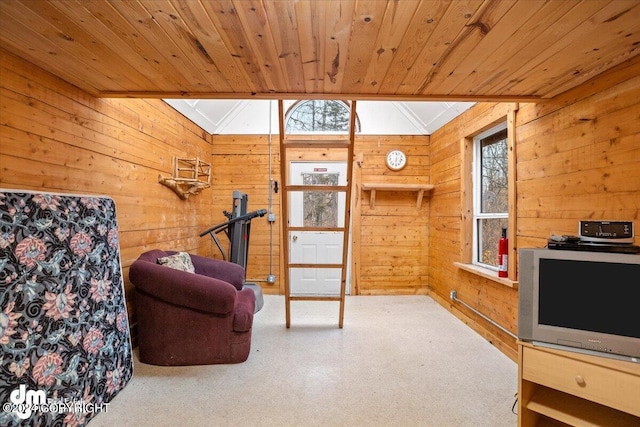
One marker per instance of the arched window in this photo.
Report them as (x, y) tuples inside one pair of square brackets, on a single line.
[(317, 116)]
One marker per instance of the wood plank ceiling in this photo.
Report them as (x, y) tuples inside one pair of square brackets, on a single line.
[(350, 49)]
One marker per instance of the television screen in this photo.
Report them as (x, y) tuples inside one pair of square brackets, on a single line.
[(590, 296)]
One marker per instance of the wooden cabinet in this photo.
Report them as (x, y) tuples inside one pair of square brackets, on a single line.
[(558, 388)]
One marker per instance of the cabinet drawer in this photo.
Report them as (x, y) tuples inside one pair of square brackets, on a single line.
[(615, 388)]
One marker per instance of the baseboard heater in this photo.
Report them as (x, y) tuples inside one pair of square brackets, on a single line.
[(454, 297)]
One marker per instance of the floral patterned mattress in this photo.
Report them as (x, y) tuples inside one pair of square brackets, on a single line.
[(64, 332)]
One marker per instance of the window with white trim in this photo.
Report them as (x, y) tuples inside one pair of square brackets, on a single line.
[(490, 194)]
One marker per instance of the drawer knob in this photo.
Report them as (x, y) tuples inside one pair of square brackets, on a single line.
[(581, 382)]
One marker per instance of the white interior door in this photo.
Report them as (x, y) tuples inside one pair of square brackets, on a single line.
[(316, 209)]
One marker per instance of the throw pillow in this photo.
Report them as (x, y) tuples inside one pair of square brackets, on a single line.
[(180, 261)]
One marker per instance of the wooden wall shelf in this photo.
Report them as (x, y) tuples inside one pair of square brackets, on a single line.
[(190, 176), (418, 188)]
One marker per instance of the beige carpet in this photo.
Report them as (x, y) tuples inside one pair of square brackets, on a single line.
[(398, 361)]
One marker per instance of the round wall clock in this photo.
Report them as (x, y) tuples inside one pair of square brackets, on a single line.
[(396, 160)]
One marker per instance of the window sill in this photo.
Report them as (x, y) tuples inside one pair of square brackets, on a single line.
[(487, 274)]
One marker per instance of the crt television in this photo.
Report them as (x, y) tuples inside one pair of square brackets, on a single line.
[(581, 300)]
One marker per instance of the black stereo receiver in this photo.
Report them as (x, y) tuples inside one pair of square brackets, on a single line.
[(606, 231)]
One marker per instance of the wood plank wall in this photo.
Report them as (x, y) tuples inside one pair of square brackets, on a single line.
[(391, 240), (249, 163), (578, 157), (55, 137)]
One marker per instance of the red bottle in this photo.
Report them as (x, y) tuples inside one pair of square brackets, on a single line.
[(503, 248)]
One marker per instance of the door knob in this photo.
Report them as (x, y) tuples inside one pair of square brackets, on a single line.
[(295, 237)]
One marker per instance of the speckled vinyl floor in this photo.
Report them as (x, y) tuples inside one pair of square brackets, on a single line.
[(398, 361)]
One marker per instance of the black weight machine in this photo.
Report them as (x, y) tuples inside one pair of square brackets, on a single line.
[(238, 230)]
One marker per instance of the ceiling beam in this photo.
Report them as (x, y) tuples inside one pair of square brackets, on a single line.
[(336, 96)]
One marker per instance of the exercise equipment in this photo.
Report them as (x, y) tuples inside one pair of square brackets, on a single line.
[(238, 230)]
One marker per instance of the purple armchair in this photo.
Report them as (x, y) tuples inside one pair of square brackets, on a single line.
[(188, 318)]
